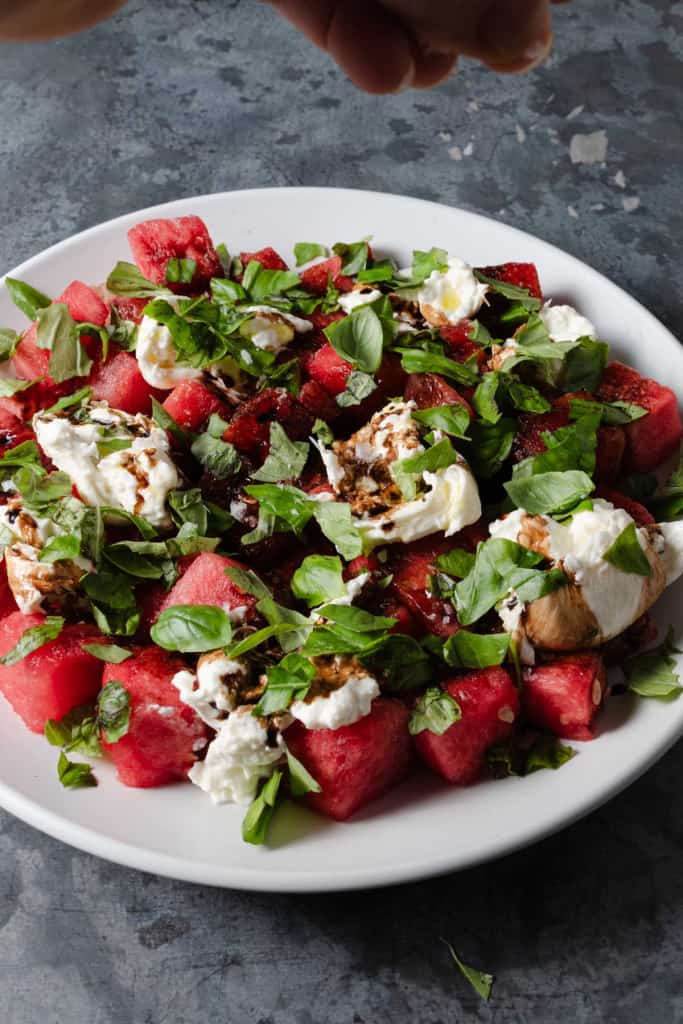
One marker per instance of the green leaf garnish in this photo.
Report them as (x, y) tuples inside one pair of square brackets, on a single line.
[(549, 493), (472, 650), (481, 982), (285, 460), (111, 653), (192, 628), (260, 813), (358, 339), (287, 681), (358, 386), (653, 674), (180, 271), (452, 419), (26, 298), (626, 553), (113, 711), (125, 279), (300, 779), (436, 711), (74, 774), (32, 639), (304, 252), (318, 579)]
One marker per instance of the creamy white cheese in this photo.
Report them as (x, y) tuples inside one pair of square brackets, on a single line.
[(392, 426), (454, 294), (511, 611), (271, 329), (237, 759), (450, 503), (157, 356), (343, 706), (136, 479), (564, 323), (352, 300), (613, 596), (206, 691), (354, 588)]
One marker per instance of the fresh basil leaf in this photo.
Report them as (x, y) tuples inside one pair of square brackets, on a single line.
[(287, 681), (58, 332), (32, 639), (180, 271), (218, 457), (549, 493), (113, 444), (491, 445), (538, 586), (300, 779), (626, 553), (260, 813), (439, 456), (40, 491), (336, 523), (113, 711), (456, 563), (653, 674), (304, 252), (379, 272), (513, 292), (264, 284), (163, 419), (481, 982), (276, 614), (426, 263), (12, 385), (285, 460), (132, 563), (436, 711), (354, 256), (112, 603), (144, 528), (485, 397), (585, 365), (188, 507), (285, 502), (547, 752), (223, 290), (358, 339), (192, 628), (524, 397), (400, 662), (9, 340), (254, 640), (452, 419), (336, 639), (74, 774), (415, 360), (611, 413), (60, 548), (358, 386), (318, 579), (111, 653), (248, 581), (26, 298), (125, 279), (517, 757), (323, 432), (78, 398), (356, 619), (472, 650), (570, 447)]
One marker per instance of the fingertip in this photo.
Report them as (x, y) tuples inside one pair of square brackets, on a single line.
[(372, 47), (433, 68), (516, 35)]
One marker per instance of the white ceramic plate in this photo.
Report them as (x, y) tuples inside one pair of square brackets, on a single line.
[(424, 827)]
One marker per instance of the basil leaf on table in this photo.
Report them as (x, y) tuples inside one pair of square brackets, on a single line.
[(74, 774)]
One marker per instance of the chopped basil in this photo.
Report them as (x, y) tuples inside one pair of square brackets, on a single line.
[(163, 419), (452, 419), (611, 413), (144, 528), (61, 548), (491, 445), (549, 493), (439, 456), (58, 332), (192, 628), (113, 711), (260, 813), (513, 292), (78, 398), (276, 614), (318, 579), (285, 460), (400, 662), (356, 619), (336, 522), (548, 752), (304, 252), (264, 284), (457, 562), (519, 757), (626, 554), (260, 637), (481, 982), (323, 432), (112, 602), (26, 298), (471, 650), (218, 457), (125, 279), (358, 386), (248, 581), (188, 507), (12, 385), (653, 674), (585, 365), (74, 774), (287, 681), (425, 264), (223, 290), (9, 340), (436, 711), (111, 653), (415, 360), (570, 447), (354, 256), (284, 502), (300, 779), (32, 639), (358, 339), (180, 271)]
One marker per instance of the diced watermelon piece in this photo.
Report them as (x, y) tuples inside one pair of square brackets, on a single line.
[(357, 763), (154, 242), (428, 390), (523, 275), (318, 401), (7, 603), (53, 680), (316, 278), (164, 735), (565, 695), (129, 308), (120, 383), (638, 512), (191, 403), (653, 438), (84, 304), (489, 704), (322, 320), (329, 369), (204, 582), (458, 338), (249, 429), (268, 258), (13, 431)]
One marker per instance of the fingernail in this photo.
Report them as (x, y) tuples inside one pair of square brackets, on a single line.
[(408, 79), (537, 52)]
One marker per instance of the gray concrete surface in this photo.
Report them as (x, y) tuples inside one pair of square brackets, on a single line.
[(177, 98)]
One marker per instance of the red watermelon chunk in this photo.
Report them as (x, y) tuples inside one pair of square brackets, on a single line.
[(357, 763), (129, 308), (249, 429), (154, 242), (268, 258), (316, 278), (120, 383), (191, 403), (637, 512), (7, 603), (652, 439), (428, 390), (84, 304), (164, 735), (490, 705), (458, 339), (523, 275), (564, 696), (56, 678), (205, 582), (329, 369), (13, 431), (318, 401)]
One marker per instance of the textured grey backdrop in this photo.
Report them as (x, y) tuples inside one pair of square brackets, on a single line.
[(188, 96)]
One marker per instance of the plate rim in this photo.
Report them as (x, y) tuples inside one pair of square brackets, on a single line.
[(259, 879)]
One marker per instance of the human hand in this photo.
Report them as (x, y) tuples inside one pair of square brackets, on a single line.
[(386, 45), (48, 19)]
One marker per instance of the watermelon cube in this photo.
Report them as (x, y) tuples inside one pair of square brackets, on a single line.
[(522, 275), (53, 680), (191, 403), (164, 735), (268, 258), (316, 278), (328, 369), (7, 602), (84, 304), (653, 438), (13, 430), (564, 696), (129, 308), (318, 401), (428, 390), (249, 429), (154, 242), (357, 763), (489, 704), (204, 582), (120, 383)]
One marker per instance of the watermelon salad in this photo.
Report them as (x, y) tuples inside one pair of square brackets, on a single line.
[(302, 532)]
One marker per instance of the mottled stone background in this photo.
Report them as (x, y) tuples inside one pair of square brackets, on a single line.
[(175, 98)]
